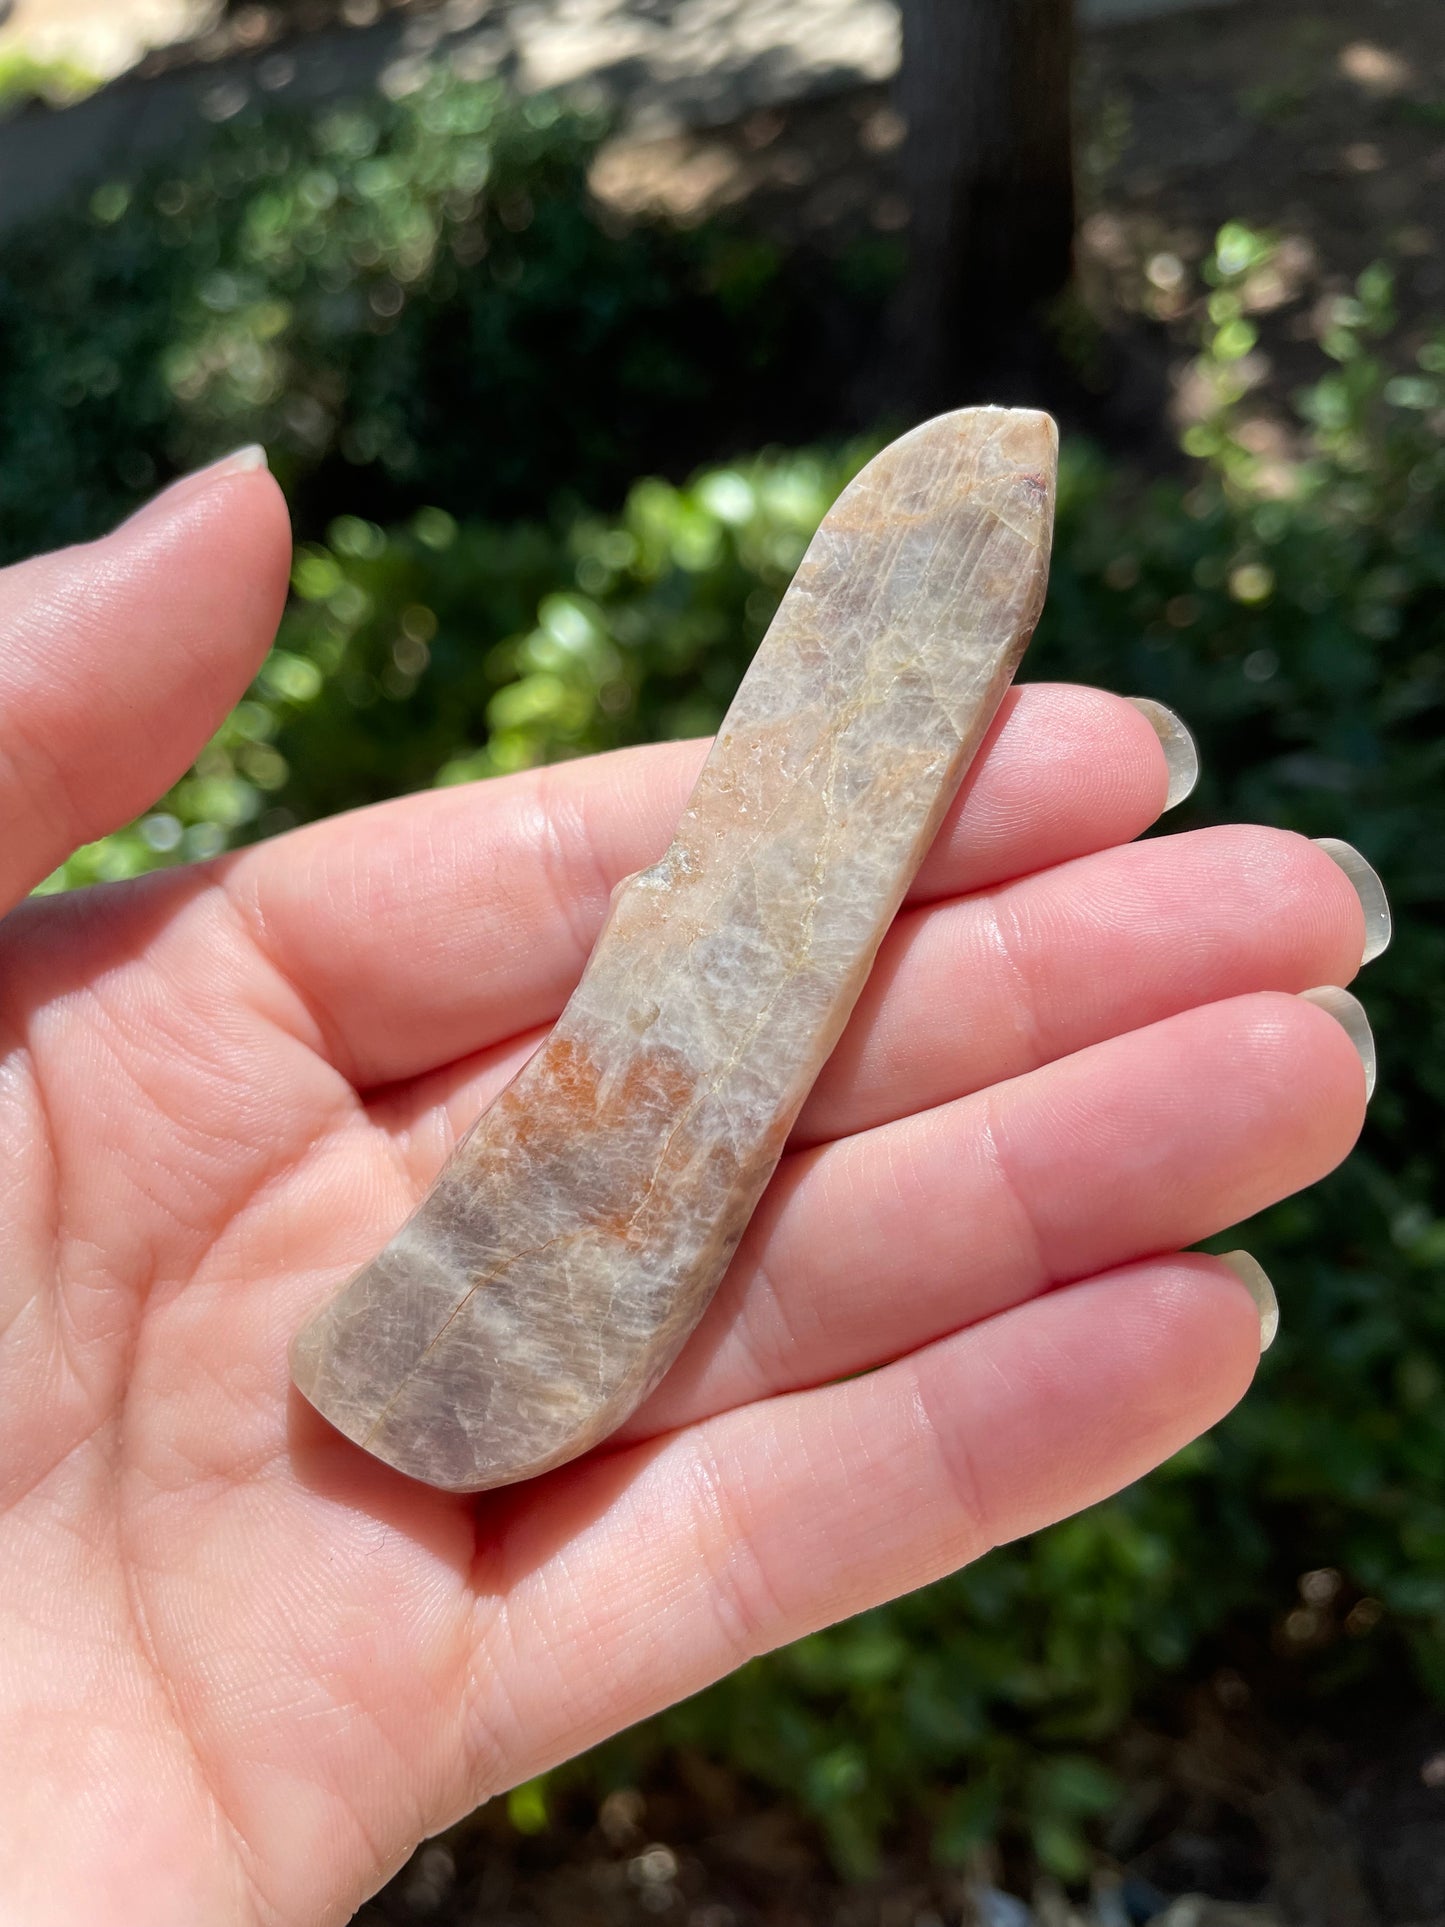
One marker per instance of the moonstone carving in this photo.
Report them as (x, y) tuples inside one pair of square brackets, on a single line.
[(575, 1236)]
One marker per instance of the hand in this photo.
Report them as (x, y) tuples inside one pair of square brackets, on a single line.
[(244, 1668)]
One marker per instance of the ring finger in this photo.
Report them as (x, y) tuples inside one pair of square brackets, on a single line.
[(868, 1248)]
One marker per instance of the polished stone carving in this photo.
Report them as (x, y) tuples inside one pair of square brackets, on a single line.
[(575, 1236)]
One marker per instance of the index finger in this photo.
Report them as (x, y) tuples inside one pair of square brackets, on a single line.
[(420, 931)]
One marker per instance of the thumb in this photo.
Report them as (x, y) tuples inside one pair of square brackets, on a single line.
[(120, 658)]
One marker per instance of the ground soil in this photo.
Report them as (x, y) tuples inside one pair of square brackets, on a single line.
[(1321, 121), (1273, 1825)]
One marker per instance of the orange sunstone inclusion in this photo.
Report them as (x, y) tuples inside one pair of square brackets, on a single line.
[(574, 1238)]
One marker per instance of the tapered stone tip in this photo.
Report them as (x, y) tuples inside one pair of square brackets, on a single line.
[(1028, 434), (1025, 440), (575, 1237)]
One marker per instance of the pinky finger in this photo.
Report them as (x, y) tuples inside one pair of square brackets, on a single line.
[(775, 1519)]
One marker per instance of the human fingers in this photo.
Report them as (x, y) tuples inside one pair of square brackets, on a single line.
[(867, 1248), (424, 930), (642, 1575), (970, 993), (976, 991), (118, 659)]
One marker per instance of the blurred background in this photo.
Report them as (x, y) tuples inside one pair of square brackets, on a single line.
[(564, 321)]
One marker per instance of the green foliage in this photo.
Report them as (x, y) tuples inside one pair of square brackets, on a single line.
[(1304, 638), (405, 301), (439, 652), (1299, 624), (24, 78)]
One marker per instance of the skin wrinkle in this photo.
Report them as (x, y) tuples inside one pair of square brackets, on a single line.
[(246, 913), (747, 1616), (134, 1291), (344, 1044), (67, 1346), (142, 1646), (1091, 1446), (381, 1860), (683, 1581), (327, 1673), (384, 1860), (140, 1620), (148, 1652), (109, 1034), (988, 1136), (245, 1469), (71, 596), (422, 1133), (490, 1579), (53, 785), (559, 831), (10, 787), (279, 1156), (485, 1773), (960, 1472), (62, 1457), (1072, 909), (769, 1361), (20, 1056), (599, 1679), (901, 1177), (1023, 1008), (771, 1357), (251, 1200)]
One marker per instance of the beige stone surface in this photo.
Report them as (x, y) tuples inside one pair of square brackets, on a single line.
[(575, 1237)]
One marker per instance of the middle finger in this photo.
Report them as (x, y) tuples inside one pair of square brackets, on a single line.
[(967, 994), (867, 1249)]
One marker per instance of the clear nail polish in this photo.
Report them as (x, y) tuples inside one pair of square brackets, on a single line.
[(1181, 752), (1370, 891), (241, 461), (1255, 1279), (1349, 1013)]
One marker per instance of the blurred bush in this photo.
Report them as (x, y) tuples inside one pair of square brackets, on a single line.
[(405, 301), (439, 651), (1298, 622), (1296, 618), (25, 79)]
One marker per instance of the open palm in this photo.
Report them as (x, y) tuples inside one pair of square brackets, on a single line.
[(243, 1668)]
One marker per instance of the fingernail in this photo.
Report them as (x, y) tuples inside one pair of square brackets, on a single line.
[(1255, 1279), (1181, 752), (1349, 1013), (240, 461), (1370, 891)]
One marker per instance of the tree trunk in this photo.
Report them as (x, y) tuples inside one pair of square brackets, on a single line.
[(986, 90)]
